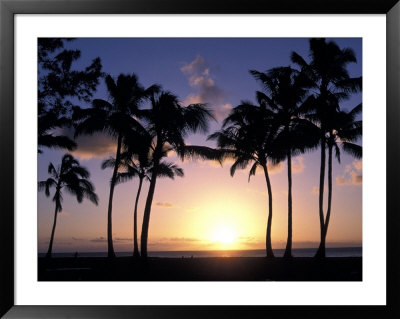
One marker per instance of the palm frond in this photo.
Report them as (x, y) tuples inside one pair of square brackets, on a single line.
[(253, 170), (352, 149)]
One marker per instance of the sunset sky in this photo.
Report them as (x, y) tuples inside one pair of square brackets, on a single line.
[(207, 208)]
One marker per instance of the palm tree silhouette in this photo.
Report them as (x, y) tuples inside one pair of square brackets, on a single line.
[(248, 136), (285, 91), (332, 84), (168, 123), (74, 179), (343, 130), (117, 119), (139, 165)]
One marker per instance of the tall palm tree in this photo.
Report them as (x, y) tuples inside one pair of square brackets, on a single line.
[(332, 83), (134, 165), (168, 122), (285, 91), (248, 134), (344, 129), (117, 119), (71, 177)]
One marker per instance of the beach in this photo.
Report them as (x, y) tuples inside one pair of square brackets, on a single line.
[(200, 269)]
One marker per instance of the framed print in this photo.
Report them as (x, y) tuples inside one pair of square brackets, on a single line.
[(244, 131)]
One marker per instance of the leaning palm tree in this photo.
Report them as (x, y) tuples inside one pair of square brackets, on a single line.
[(248, 136), (285, 91), (71, 177), (168, 122), (139, 165), (116, 119), (328, 70)]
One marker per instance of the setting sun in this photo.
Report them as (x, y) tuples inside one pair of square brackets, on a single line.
[(224, 235)]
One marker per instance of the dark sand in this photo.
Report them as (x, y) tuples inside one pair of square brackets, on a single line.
[(200, 269)]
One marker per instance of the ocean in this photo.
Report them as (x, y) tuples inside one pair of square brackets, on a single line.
[(299, 252)]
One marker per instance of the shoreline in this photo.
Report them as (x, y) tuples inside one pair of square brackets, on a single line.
[(200, 269)]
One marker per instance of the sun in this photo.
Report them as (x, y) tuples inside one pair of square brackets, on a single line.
[(224, 235)]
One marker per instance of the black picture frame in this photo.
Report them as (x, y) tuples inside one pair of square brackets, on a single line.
[(9, 8)]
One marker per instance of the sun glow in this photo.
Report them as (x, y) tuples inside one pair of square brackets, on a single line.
[(224, 235)]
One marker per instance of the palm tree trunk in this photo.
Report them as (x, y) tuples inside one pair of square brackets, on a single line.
[(111, 253), (136, 253), (48, 255), (288, 250), (321, 253), (270, 253), (147, 210), (321, 249)]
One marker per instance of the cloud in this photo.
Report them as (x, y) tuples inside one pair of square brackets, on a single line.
[(180, 239), (352, 174), (298, 165), (97, 145), (200, 78), (275, 169), (358, 165), (315, 190), (63, 213), (250, 241), (77, 239), (164, 204), (99, 240), (122, 239)]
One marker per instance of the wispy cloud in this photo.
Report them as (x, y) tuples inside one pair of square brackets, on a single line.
[(199, 73), (298, 165), (122, 239), (99, 239), (274, 169), (164, 204), (352, 174), (180, 239)]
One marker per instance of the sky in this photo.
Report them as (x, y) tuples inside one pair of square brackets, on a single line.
[(207, 209)]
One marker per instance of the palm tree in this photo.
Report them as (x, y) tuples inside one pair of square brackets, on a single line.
[(248, 135), (74, 179), (168, 123), (285, 91), (343, 130), (140, 166), (332, 83), (117, 119)]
